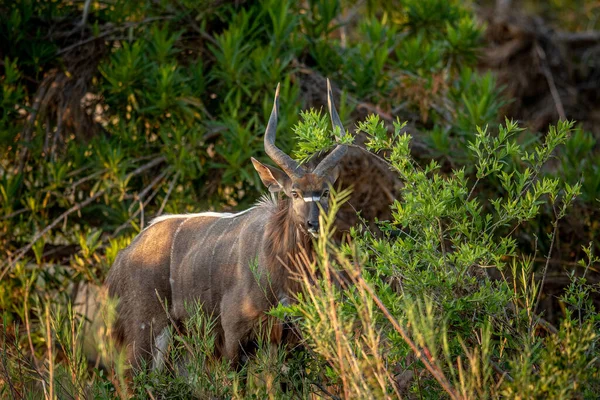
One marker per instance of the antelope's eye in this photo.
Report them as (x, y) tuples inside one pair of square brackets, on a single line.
[(295, 195)]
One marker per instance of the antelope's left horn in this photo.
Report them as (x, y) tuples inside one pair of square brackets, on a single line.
[(291, 167)]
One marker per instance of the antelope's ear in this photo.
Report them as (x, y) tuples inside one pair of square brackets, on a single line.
[(273, 178)]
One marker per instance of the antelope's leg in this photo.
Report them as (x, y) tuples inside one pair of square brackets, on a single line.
[(148, 340), (236, 329), (161, 343)]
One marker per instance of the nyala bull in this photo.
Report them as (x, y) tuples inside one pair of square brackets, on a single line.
[(237, 266)]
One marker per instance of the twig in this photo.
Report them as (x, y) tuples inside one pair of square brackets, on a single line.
[(134, 215), (202, 32), (472, 190), (29, 127), (502, 372), (374, 109), (59, 124), (150, 393), (144, 167), (14, 214), (77, 171), (559, 262), (159, 178), (142, 213), (548, 74), (46, 137), (140, 196), (588, 36), (325, 391), (554, 234), (442, 242), (171, 186), (87, 178), (547, 325), (86, 11), (383, 160)]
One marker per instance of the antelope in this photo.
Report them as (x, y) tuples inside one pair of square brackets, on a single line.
[(224, 261)]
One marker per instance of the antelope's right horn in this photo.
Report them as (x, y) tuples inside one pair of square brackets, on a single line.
[(333, 158)]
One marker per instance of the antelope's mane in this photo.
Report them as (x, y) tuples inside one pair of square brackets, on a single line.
[(284, 241)]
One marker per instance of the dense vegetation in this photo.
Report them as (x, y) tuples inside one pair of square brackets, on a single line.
[(113, 113)]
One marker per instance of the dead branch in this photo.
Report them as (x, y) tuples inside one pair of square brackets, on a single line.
[(551, 84), (151, 164), (14, 214), (140, 196), (140, 209), (86, 178), (503, 374), (59, 125), (571, 38), (86, 11), (171, 186)]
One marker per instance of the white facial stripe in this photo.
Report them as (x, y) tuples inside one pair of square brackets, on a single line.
[(313, 198)]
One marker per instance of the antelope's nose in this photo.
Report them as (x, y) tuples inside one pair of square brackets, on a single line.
[(312, 226)]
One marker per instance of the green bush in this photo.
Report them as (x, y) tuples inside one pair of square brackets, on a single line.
[(421, 298)]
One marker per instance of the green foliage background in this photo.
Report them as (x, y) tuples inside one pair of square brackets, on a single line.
[(116, 114)]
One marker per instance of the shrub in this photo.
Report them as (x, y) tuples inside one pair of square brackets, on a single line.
[(420, 297)]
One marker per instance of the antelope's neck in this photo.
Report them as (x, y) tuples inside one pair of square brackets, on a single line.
[(288, 247)]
